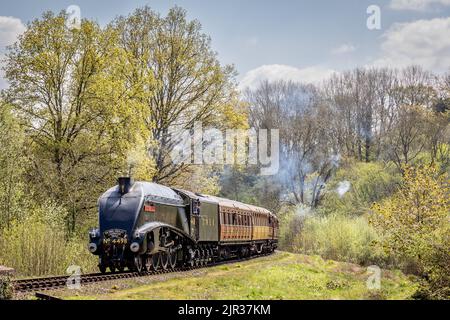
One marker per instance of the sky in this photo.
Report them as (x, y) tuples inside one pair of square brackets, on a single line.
[(300, 40)]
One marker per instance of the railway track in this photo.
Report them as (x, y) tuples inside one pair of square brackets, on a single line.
[(37, 284)]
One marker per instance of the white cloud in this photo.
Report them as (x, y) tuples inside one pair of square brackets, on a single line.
[(417, 5), (10, 29), (276, 72), (421, 42), (343, 49)]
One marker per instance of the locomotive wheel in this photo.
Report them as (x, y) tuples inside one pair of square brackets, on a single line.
[(112, 268), (197, 257), (102, 268), (155, 261), (164, 258), (138, 263), (258, 251), (148, 263), (204, 258), (173, 259)]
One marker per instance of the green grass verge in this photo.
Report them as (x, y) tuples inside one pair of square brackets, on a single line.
[(281, 276)]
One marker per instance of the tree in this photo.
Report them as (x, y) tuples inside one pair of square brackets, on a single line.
[(180, 78), (414, 223), (307, 157), (11, 167), (408, 138), (66, 85)]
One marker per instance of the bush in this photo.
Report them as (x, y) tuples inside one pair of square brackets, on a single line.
[(291, 224), (6, 288), (356, 186), (414, 225), (38, 244), (339, 238), (334, 236)]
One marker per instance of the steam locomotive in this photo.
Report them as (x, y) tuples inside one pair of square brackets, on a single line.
[(148, 226)]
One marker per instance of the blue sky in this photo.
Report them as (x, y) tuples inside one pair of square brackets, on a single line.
[(304, 40)]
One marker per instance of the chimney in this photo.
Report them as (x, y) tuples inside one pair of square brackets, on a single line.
[(125, 184)]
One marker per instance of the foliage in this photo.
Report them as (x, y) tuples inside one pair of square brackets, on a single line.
[(307, 159), (72, 102), (180, 81), (11, 166), (339, 238), (38, 244), (6, 288), (414, 224), (356, 186)]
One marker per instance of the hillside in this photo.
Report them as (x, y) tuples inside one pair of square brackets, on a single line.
[(281, 276)]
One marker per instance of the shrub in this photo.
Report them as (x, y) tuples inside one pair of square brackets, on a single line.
[(339, 238), (357, 186), (291, 224), (38, 244), (6, 288), (334, 236), (414, 224)]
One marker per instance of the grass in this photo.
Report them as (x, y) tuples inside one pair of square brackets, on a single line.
[(281, 276)]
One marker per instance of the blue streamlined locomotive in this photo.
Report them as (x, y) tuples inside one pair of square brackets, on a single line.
[(147, 226)]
